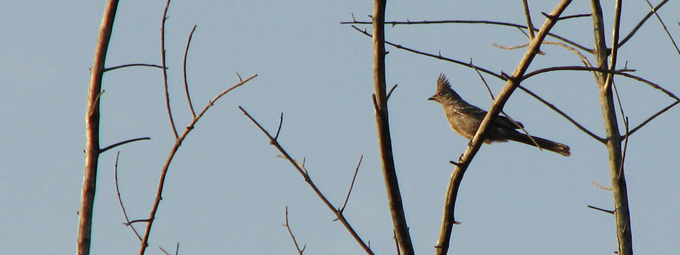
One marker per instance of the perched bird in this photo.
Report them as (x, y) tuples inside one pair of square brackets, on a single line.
[(465, 119)]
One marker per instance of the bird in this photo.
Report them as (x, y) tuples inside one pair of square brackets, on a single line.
[(465, 119)]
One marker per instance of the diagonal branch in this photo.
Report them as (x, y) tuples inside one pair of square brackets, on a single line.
[(290, 232), (171, 156), (351, 185), (299, 167), (642, 22), (512, 83)]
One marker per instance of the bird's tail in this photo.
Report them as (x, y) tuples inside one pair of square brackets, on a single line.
[(556, 147)]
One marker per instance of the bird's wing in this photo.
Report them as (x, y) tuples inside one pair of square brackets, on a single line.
[(501, 120)]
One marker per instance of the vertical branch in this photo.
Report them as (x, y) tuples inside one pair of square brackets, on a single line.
[(527, 14), (165, 70), (512, 83), (384, 137), (92, 149), (619, 189), (184, 65)]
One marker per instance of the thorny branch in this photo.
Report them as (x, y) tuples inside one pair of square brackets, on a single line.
[(290, 232), (338, 213), (171, 156)]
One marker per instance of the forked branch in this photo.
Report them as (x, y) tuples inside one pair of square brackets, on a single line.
[(299, 167)]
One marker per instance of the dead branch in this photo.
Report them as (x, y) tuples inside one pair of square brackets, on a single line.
[(184, 66), (457, 175), (290, 232), (120, 199), (299, 167), (171, 156), (92, 150)]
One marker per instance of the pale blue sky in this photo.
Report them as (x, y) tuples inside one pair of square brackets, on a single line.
[(227, 191)]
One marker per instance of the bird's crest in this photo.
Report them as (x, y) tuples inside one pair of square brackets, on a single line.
[(442, 82)]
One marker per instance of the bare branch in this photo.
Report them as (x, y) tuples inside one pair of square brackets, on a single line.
[(290, 232), (664, 26), (527, 14), (437, 56), (650, 119), (394, 199), (391, 90), (351, 185), (560, 112), (600, 209), (632, 32), (600, 186), (165, 71), (621, 72), (176, 250), (92, 121), (448, 220), (479, 22), (576, 16), (124, 142), (303, 172), (278, 130), (131, 65), (171, 156), (184, 65), (120, 199)]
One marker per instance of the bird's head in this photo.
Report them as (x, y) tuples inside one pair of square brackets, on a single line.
[(444, 93)]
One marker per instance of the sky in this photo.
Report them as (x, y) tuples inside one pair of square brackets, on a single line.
[(227, 191)]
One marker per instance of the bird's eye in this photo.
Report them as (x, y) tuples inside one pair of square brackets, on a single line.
[(440, 93)]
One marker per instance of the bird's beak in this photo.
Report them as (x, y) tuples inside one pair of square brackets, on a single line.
[(432, 98)]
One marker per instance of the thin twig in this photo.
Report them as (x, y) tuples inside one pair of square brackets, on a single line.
[(278, 130), (391, 90), (527, 14), (621, 72), (161, 248), (437, 56), (481, 22), (130, 65), (184, 65), (290, 232), (664, 26), (165, 70), (632, 32), (96, 103), (560, 112), (600, 209), (124, 142), (575, 16), (351, 185), (600, 186), (311, 184), (120, 199), (650, 119)]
